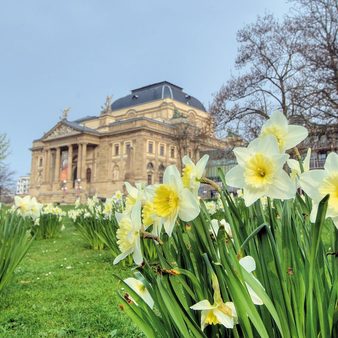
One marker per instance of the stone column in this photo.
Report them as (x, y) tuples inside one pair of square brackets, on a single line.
[(70, 162), (57, 165), (45, 164), (83, 160), (48, 166), (79, 160)]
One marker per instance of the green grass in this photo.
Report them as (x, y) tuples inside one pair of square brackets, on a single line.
[(63, 289)]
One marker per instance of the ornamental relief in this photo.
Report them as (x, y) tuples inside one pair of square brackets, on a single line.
[(62, 130)]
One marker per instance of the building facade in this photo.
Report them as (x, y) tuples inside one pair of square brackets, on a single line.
[(133, 139), (22, 185)]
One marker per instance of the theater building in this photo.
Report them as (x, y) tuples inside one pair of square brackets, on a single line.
[(132, 139)]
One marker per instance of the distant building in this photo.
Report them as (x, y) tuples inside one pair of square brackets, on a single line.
[(133, 139), (322, 140), (22, 185)]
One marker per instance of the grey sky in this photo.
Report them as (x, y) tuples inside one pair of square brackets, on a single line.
[(56, 54)]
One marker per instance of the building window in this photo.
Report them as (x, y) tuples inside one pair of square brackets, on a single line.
[(150, 166), (150, 179), (172, 152), (116, 149), (40, 162), (160, 178), (127, 148), (161, 149), (150, 147), (322, 156), (88, 175)]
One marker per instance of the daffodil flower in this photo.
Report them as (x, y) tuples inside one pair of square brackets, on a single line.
[(217, 313), (215, 224), (28, 207), (260, 171), (128, 234), (288, 136), (141, 290), (249, 264), (319, 183), (172, 200), (192, 173), (295, 166)]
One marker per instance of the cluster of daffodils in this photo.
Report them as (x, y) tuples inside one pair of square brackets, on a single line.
[(158, 206), (50, 209), (27, 207)]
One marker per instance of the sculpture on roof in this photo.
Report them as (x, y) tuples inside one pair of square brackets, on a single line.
[(65, 113), (106, 108)]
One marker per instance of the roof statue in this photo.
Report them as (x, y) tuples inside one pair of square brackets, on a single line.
[(106, 108), (65, 113)]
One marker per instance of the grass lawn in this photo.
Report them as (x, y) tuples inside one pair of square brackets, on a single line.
[(63, 289)]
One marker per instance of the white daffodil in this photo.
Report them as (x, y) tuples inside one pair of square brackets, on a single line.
[(135, 194), (211, 207), (141, 290), (192, 173), (295, 166), (287, 135), (28, 207), (249, 264), (260, 171), (319, 183), (149, 217), (217, 313), (128, 234), (215, 224), (172, 200)]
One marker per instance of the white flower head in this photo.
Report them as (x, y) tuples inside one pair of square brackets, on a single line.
[(128, 234), (172, 200), (260, 171), (295, 166), (287, 135), (192, 173), (319, 183), (141, 290), (217, 313), (249, 264)]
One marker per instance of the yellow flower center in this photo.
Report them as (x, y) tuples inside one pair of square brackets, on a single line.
[(126, 235), (211, 319), (165, 200), (147, 213), (186, 175), (278, 133), (330, 186), (259, 171)]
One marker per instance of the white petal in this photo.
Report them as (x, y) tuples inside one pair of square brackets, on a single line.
[(242, 155), (200, 166), (294, 165), (122, 256), (189, 207), (314, 211), (224, 319), (170, 171), (132, 191), (310, 182), (186, 160), (331, 163), (306, 162), (252, 195), (135, 215), (137, 255), (235, 177), (295, 135), (202, 305), (265, 144), (214, 226), (169, 223), (282, 187), (248, 263), (254, 297)]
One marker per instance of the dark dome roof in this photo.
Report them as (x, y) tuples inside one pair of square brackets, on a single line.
[(156, 91)]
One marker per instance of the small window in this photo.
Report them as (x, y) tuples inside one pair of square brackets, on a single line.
[(322, 156), (150, 147), (116, 150), (150, 179), (162, 150), (160, 178), (172, 152), (88, 175), (40, 162), (128, 147)]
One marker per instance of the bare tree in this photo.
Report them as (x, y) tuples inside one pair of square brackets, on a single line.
[(6, 175), (279, 68), (317, 23)]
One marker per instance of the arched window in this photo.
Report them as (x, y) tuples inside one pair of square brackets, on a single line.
[(88, 175), (150, 179), (116, 173), (161, 169)]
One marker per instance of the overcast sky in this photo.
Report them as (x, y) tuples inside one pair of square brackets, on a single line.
[(73, 53)]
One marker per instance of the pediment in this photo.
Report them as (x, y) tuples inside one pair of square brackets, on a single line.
[(60, 130)]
